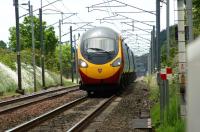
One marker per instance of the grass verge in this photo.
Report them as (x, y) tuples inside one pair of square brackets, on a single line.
[(173, 122)]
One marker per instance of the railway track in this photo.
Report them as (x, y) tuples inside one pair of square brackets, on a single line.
[(73, 116), (86, 120), (13, 104)]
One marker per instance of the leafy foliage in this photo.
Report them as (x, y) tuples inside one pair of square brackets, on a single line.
[(66, 55), (52, 60), (8, 57), (25, 36), (2, 44), (196, 17), (50, 42), (173, 47)]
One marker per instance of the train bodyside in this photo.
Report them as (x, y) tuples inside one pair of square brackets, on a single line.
[(128, 74), (100, 68)]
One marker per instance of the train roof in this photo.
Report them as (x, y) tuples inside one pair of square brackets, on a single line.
[(100, 32)]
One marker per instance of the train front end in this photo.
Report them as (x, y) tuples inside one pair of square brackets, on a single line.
[(100, 61)]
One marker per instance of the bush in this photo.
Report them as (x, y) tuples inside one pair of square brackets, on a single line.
[(8, 58)]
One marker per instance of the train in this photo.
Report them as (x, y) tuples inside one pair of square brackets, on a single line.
[(105, 62)]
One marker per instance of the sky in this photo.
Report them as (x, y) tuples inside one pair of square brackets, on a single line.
[(137, 39)]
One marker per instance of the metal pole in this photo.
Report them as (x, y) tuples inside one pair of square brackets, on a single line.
[(72, 69), (149, 62), (158, 33), (61, 81), (168, 57), (41, 4), (181, 46), (154, 49), (42, 48), (18, 48), (167, 25), (33, 47), (167, 97), (162, 94), (190, 19), (158, 58), (75, 59)]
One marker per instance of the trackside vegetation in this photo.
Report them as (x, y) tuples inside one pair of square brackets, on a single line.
[(173, 122), (8, 59)]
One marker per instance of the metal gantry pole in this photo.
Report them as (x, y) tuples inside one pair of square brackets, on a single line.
[(60, 55), (33, 47), (158, 33), (181, 45), (167, 26), (154, 49), (149, 61), (158, 60), (167, 97), (42, 48), (190, 19), (168, 57), (75, 59), (18, 48), (72, 62)]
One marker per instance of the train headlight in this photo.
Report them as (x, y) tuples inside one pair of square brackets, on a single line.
[(117, 62), (83, 64)]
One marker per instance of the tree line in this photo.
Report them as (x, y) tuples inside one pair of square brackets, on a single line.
[(50, 42)]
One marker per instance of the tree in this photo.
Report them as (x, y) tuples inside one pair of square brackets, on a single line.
[(50, 39), (52, 61), (66, 58), (2, 44), (173, 47), (196, 17)]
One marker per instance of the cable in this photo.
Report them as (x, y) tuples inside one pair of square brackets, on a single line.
[(109, 12), (58, 9), (23, 7), (71, 12)]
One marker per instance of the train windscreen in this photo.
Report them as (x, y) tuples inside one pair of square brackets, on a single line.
[(99, 50), (100, 45)]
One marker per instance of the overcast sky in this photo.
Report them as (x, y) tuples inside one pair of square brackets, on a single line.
[(7, 15)]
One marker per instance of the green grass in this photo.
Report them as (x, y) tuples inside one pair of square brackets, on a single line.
[(179, 126), (68, 83), (8, 86), (172, 123), (8, 83), (9, 94)]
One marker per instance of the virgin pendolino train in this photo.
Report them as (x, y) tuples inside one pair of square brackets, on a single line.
[(104, 60)]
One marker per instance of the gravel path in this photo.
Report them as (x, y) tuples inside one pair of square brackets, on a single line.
[(11, 119), (134, 102), (27, 101), (68, 118)]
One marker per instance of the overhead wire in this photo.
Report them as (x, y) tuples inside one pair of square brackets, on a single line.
[(71, 12), (108, 2)]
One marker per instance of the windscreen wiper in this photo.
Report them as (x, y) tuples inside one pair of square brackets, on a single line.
[(101, 50)]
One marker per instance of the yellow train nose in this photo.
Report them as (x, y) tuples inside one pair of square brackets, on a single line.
[(100, 71)]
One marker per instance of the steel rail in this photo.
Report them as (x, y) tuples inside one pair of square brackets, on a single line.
[(34, 95), (26, 98), (86, 120), (34, 122)]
